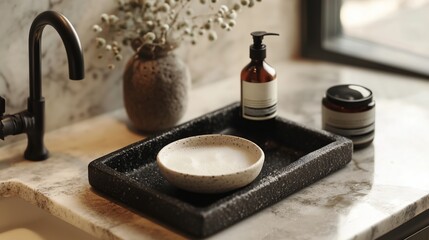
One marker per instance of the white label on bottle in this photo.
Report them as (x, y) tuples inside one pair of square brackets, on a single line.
[(362, 122), (259, 100)]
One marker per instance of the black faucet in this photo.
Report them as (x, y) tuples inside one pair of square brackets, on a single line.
[(32, 120)]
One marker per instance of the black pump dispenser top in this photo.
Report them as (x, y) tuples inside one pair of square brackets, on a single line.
[(258, 49)]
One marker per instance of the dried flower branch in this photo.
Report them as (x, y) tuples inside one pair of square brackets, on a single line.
[(154, 27)]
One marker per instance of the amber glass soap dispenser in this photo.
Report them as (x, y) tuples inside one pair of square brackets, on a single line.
[(258, 84)]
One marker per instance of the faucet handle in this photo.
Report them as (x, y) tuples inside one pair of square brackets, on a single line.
[(2, 106)]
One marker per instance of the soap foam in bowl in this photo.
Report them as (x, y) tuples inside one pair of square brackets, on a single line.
[(211, 163)]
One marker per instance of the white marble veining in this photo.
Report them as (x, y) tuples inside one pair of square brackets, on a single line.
[(384, 185), (71, 101)]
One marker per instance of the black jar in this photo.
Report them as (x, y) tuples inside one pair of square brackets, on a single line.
[(349, 110)]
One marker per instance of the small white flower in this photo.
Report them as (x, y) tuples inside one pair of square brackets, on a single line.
[(105, 18), (218, 20), (207, 25), (118, 57), (165, 27), (223, 8), (150, 36), (231, 23), (113, 19), (96, 28), (212, 36), (109, 47), (116, 49), (164, 7), (188, 31), (149, 23), (236, 7), (224, 25), (101, 42), (232, 14), (244, 2)]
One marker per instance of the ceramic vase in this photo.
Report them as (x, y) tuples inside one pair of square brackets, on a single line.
[(155, 91)]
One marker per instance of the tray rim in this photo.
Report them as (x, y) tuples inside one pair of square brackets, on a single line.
[(202, 212)]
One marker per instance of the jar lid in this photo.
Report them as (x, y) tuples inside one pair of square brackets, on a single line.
[(349, 95)]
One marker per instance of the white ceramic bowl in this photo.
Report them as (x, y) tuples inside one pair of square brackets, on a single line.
[(211, 163)]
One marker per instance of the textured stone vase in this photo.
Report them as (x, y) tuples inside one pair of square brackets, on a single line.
[(155, 91)]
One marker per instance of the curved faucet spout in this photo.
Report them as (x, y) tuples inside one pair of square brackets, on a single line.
[(36, 149), (71, 43)]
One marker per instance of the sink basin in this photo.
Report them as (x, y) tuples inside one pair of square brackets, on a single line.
[(21, 220)]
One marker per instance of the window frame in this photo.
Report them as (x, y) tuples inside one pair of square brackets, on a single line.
[(322, 38)]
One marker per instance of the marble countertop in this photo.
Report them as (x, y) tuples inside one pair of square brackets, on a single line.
[(385, 185)]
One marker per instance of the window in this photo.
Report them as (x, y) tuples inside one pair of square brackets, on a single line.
[(389, 35)]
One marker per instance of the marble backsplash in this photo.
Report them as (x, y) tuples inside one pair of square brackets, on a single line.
[(101, 90)]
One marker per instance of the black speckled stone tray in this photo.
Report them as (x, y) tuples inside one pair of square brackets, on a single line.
[(296, 156)]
